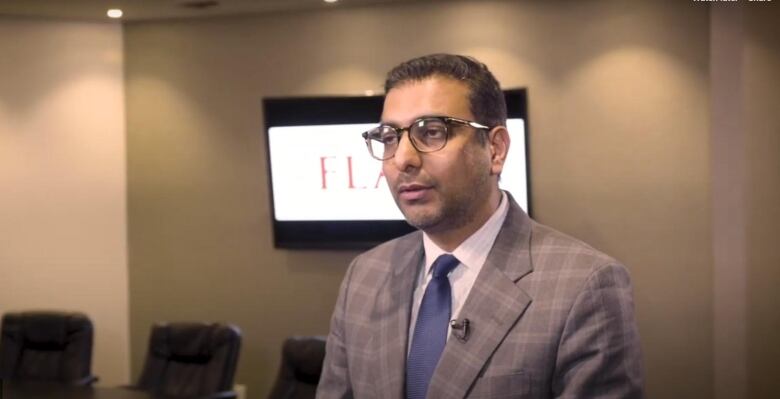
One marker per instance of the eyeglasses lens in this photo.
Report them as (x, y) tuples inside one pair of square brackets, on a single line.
[(427, 135)]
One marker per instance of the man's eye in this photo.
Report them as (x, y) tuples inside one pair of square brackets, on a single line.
[(433, 133), (388, 138)]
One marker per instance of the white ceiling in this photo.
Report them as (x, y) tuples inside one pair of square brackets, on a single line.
[(139, 10)]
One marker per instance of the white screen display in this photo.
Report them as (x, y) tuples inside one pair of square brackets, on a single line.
[(325, 173)]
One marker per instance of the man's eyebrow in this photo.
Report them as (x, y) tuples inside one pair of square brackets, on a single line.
[(387, 123), (398, 125)]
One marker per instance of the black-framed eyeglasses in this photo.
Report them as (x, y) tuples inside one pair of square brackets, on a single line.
[(427, 134)]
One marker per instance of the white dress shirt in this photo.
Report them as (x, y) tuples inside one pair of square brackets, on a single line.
[(471, 253)]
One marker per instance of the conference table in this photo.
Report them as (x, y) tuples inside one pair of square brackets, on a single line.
[(54, 391)]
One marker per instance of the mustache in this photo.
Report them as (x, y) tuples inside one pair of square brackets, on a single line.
[(401, 184), (407, 179)]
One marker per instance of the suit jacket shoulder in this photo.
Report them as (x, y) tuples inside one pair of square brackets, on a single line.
[(550, 316), (555, 255)]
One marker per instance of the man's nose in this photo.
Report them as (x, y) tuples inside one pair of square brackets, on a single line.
[(406, 156)]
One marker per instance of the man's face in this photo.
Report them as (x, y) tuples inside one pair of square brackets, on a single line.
[(446, 189)]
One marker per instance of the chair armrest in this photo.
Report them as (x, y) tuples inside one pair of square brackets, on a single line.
[(216, 395), (88, 380), (222, 395)]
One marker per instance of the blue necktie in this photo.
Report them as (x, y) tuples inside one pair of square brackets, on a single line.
[(430, 332)]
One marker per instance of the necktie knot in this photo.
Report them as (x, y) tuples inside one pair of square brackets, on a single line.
[(443, 265)]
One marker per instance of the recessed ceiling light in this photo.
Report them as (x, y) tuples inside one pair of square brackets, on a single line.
[(114, 13), (331, 1)]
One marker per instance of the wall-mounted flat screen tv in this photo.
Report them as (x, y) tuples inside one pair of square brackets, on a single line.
[(328, 192)]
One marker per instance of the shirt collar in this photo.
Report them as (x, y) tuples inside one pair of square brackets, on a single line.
[(473, 251)]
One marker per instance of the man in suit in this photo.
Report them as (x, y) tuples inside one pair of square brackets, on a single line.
[(482, 301)]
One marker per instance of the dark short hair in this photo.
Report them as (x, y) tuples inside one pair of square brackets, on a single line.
[(486, 100)]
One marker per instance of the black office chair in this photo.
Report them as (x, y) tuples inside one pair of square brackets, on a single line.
[(46, 346), (300, 368), (190, 360)]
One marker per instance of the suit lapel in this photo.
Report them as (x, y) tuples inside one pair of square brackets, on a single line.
[(493, 306), (393, 307)]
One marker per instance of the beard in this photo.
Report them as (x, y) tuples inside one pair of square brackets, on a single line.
[(452, 206), (453, 212)]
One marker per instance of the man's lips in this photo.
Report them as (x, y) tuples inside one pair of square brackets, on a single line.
[(413, 192)]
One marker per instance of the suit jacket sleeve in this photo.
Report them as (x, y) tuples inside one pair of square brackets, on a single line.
[(334, 381), (599, 354)]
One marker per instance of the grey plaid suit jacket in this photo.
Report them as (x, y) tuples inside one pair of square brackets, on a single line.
[(549, 317)]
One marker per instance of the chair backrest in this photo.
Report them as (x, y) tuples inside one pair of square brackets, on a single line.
[(300, 369), (190, 359), (46, 346)]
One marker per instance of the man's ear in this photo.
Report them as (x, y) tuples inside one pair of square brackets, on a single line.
[(498, 142)]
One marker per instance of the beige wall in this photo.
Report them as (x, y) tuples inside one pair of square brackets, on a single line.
[(745, 142), (762, 146), (619, 120), (62, 178)]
